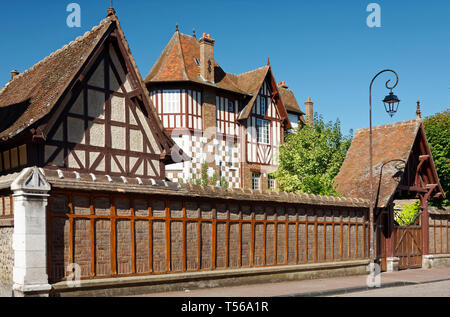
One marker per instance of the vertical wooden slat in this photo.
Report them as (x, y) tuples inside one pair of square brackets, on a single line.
[(332, 233), (356, 241), (341, 241), (315, 239), (252, 238), (364, 240), (150, 235), (92, 234), (213, 238), (264, 238), (184, 236), (240, 237), (276, 237), (442, 241), (71, 246), (296, 241), (349, 230), (133, 238), (168, 239), (199, 237), (286, 242), (113, 236), (306, 239), (227, 237), (324, 241)]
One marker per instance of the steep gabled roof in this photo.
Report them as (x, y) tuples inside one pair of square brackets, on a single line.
[(251, 82), (177, 63), (392, 148), (32, 95), (289, 100)]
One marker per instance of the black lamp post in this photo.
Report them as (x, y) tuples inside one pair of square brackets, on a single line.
[(391, 103)]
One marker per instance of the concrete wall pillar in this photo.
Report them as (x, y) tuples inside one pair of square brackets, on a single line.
[(30, 192), (392, 264)]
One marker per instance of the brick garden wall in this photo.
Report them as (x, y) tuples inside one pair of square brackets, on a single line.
[(123, 235)]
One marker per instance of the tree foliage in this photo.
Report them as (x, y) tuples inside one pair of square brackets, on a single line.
[(437, 129), (407, 214), (310, 159)]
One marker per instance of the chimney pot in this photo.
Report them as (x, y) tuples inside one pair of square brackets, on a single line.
[(14, 73)]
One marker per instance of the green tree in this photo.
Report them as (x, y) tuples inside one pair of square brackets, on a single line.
[(407, 214), (310, 159), (437, 128)]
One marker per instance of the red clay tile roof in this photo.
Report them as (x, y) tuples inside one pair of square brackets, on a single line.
[(177, 63), (289, 100), (391, 142), (38, 89)]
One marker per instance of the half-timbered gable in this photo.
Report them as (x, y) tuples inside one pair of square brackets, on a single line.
[(243, 114), (264, 128), (104, 122)]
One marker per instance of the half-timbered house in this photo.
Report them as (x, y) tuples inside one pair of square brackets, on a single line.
[(84, 109), (234, 123)]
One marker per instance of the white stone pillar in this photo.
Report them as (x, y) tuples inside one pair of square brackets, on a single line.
[(30, 192), (392, 264)]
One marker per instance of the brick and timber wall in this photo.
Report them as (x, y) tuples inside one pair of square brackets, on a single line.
[(145, 231)]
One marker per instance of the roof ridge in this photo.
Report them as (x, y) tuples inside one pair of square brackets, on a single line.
[(58, 51), (182, 57), (384, 126), (250, 71)]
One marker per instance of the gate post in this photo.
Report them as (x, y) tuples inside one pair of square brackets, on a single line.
[(30, 192), (425, 225), (425, 232), (391, 260)]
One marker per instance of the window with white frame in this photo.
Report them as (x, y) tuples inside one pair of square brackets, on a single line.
[(262, 128), (271, 182), (171, 101), (256, 181)]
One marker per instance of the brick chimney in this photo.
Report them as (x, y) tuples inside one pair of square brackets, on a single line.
[(309, 110), (207, 57)]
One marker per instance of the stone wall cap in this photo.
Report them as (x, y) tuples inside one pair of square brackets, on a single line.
[(159, 187)]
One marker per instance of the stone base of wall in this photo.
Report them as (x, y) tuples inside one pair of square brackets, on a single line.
[(6, 258), (435, 260), (127, 286)]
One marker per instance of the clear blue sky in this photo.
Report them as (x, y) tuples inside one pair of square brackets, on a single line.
[(322, 49)]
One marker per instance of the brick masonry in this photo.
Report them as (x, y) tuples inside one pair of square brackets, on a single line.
[(439, 235), (117, 235)]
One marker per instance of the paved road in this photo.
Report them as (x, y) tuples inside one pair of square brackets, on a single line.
[(437, 289)]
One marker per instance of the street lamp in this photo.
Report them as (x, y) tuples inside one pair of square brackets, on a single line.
[(391, 103)]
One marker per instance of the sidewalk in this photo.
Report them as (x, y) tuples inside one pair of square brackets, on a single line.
[(318, 287)]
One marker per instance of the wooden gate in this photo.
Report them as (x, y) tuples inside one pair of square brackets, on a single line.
[(408, 246)]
